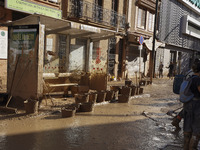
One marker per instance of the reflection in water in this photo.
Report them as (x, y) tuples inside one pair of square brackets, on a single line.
[(75, 134), (2, 140)]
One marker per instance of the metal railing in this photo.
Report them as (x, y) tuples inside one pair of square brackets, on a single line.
[(95, 13)]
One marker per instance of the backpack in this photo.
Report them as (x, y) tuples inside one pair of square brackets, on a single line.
[(178, 79), (185, 93)]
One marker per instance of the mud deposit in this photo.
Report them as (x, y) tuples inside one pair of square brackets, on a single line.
[(141, 124)]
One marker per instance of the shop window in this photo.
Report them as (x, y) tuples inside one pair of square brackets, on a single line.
[(141, 18), (151, 22)]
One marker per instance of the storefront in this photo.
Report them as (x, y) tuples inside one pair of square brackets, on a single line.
[(42, 47)]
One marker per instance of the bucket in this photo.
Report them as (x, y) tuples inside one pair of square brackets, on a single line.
[(141, 90), (126, 91), (109, 95), (87, 107), (92, 97), (81, 98), (133, 90), (123, 99), (31, 106), (142, 83), (67, 112), (101, 97), (128, 82)]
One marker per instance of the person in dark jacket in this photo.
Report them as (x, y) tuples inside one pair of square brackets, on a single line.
[(171, 69), (160, 70), (191, 126), (177, 119)]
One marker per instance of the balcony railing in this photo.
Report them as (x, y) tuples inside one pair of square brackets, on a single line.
[(95, 13)]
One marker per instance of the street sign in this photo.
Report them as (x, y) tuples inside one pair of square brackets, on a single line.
[(141, 40), (140, 47)]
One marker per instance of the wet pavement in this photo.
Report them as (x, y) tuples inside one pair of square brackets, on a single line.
[(141, 124)]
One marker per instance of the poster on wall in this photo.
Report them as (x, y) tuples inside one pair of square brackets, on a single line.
[(3, 44), (22, 42)]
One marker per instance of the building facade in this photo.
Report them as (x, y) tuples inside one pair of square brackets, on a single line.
[(140, 16), (179, 28), (75, 39)]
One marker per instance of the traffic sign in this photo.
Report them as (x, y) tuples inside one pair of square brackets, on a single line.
[(141, 40)]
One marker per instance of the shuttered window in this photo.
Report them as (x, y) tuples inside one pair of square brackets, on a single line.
[(141, 18), (151, 22)]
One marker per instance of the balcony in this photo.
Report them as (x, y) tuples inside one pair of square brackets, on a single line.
[(96, 14)]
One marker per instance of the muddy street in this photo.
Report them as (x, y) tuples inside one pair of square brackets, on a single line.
[(141, 124)]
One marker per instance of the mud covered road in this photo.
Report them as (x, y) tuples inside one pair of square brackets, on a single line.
[(141, 124)]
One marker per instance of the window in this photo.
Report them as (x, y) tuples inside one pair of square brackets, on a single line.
[(141, 18), (151, 22), (191, 26)]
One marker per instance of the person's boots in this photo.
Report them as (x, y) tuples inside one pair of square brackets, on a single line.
[(194, 142), (175, 122), (187, 137)]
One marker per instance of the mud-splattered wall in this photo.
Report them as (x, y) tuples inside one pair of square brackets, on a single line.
[(99, 65)]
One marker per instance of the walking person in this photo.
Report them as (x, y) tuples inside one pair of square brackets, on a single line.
[(171, 69), (191, 126), (161, 70), (177, 119)]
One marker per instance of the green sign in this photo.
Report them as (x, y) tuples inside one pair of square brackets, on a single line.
[(3, 33), (31, 7)]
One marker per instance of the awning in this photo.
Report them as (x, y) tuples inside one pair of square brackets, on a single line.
[(149, 43), (61, 26)]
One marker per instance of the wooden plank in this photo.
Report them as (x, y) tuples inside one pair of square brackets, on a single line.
[(62, 85)]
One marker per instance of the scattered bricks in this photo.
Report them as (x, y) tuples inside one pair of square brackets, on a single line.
[(128, 82), (141, 90), (109, 95), (126, 91), (81, 98), (101, 96), (87, 107), (92, 97), (142, 83), (123, 99), (133, 90), (68, 112)]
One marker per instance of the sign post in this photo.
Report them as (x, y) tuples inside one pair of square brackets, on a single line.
[(141, 40)]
